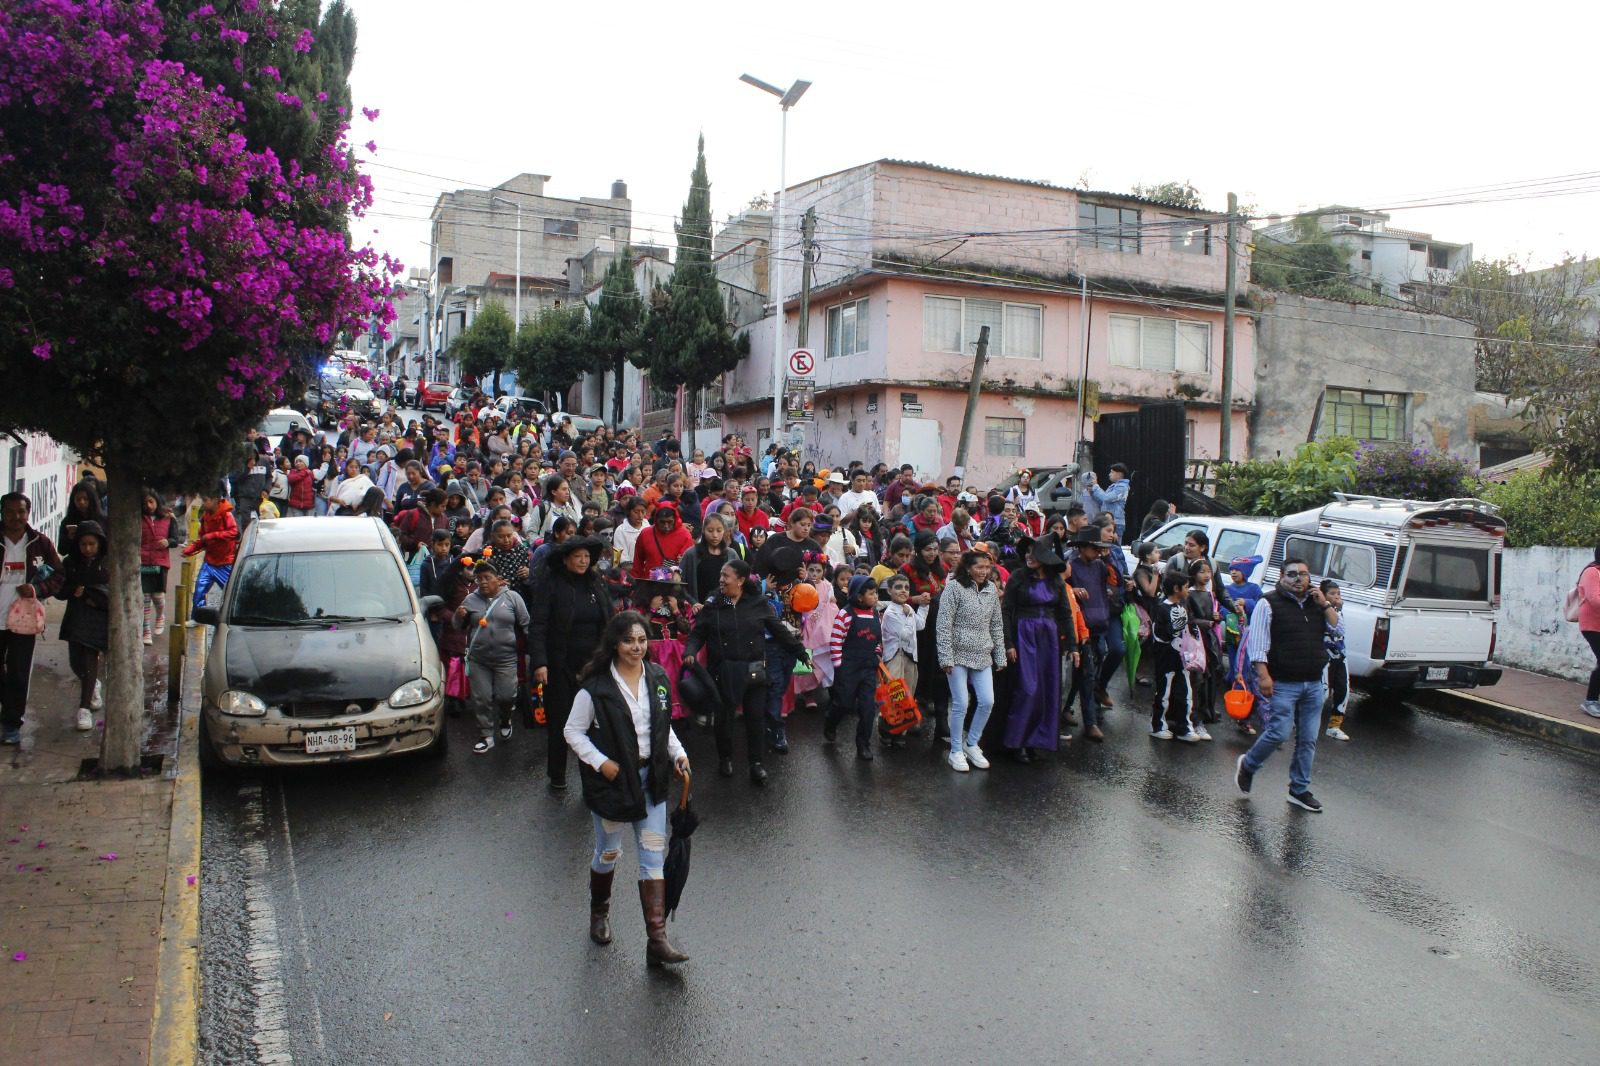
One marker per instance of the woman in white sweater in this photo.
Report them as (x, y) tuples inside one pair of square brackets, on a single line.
[(971, 641)]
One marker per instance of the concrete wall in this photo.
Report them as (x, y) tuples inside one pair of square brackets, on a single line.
[(1304, 345), (1533, 635)]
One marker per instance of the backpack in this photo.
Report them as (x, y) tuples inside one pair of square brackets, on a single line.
[(1575, 599)]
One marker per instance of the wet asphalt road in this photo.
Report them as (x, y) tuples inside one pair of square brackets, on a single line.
[(1119, 903)]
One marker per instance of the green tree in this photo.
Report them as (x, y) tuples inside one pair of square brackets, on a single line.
[(1176, 193), (1548, 507), (616, 327), (554, 351), (688, 339), (1312, 264), (485, 347)]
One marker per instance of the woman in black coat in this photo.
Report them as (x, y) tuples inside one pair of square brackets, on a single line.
[(87, 621), (733, 627), (567, 616)]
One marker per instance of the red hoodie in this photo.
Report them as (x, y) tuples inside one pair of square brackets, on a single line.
[(219, 536), (655, 548)]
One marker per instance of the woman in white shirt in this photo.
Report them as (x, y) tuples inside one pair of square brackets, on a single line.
[(620, 729)]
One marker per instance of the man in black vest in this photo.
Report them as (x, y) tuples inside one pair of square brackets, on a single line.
[(1286, 645)]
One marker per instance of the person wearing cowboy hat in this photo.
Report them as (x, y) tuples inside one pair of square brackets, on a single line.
[(567, 619), (1038, 629)]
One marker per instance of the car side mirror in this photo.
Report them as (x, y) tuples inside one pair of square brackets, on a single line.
[(207, 616), (428, 603)]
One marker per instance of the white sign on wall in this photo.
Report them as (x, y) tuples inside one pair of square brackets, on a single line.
[(44, 471)]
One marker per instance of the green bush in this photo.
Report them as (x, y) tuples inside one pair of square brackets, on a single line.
[(1542, 507), (1407, 472), (1280, 487)]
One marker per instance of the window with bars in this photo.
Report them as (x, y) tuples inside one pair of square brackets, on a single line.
[(1364, 415), (952, 324), (1005, 436), (1104, 226), (847, 329), (1168, 345)]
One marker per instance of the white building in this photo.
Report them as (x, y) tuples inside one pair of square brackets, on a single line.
[(1395, 262)]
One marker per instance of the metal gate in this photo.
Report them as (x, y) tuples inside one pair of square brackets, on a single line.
[(1151, 442)]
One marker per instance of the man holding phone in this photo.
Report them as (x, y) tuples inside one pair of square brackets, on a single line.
[(31, 569), (1286, 646)]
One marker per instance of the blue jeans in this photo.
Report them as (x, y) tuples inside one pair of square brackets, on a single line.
[(982, 682), (1116, 650), (780, 669), (649, 836), (1297, 706), (1087, 679)]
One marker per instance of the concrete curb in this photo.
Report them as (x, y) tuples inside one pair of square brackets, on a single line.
[(1463, 704), (175, 1032)]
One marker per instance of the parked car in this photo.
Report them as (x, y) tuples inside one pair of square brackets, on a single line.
[(457, 400), (333, 394), (526, 404), (322, 651), (580, 423), (1421, 580), (281, 420), (431, 394)]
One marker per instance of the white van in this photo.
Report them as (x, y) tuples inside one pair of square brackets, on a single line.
[(1421, 580)]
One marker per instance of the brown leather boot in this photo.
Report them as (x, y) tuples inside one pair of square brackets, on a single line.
[(600, 906), (653, 901)]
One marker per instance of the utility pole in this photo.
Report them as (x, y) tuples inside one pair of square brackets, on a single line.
[(808, 230), (972, 402), (1226, 449)]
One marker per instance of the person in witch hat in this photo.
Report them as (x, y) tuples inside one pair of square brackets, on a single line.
[(1039, 629)]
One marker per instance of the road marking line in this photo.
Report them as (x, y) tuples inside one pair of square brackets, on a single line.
[(300, 927), (263, 947)]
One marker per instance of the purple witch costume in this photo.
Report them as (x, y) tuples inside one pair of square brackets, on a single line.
[(1036, 617)]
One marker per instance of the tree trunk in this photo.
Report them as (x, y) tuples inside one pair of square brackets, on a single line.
[(618, 362), (123, 665)]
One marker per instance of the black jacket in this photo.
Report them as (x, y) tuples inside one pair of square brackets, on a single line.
[(625, 799), (736, 632), (567, 617)]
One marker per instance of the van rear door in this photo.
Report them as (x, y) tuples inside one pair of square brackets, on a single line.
[(1445, 607)]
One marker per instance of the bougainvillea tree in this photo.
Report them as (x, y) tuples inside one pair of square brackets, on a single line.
[(175, 188)]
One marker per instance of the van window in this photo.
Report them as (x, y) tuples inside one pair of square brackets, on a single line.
[(1174, 535), (1442, 572), (1235, 544), (1349, 564)]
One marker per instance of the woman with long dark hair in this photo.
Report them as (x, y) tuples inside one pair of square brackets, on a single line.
[(83, 505), (159, 533), (1038, 625), (621, 732), (567, 620), (1160, 511), (971, 649), (927, 574)]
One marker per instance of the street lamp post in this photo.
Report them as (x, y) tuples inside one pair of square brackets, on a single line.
[(516, 326), (786, 100)]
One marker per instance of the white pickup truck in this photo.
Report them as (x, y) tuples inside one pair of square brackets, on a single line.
[(1421, 580)]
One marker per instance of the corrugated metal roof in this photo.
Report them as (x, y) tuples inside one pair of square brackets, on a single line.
[(1502, 471), (920, 165)]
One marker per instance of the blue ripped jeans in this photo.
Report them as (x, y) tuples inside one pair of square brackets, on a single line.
[(982, 682), (649, 836)]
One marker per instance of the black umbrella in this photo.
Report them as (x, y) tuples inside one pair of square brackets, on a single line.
[(676, 873)]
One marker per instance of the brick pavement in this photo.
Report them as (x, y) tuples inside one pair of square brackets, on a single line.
[(91, 927)]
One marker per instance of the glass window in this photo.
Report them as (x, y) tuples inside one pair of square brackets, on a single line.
[(1023, 332), (1196, 241), (1159, 350), (1442, 572), (1104, 226), (1193, 342), (980, 313), (1355, 565), (847, 329), (560, 227), (1365, 415), (298, 586), (1173, 535), (1164, 345), (1005, 436), (941, 324), (1235, 544), (1125, 340)]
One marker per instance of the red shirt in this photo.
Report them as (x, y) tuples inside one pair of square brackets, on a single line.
[(748, 520)]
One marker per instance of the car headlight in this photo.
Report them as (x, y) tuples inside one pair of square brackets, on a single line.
[(411, 693), (235, 701)]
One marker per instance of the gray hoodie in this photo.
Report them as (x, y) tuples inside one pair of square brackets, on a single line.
[(496, 643)]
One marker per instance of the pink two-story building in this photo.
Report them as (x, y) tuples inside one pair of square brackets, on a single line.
[(913, 260)]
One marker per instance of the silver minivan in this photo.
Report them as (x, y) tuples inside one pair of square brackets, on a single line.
[(321, 651)]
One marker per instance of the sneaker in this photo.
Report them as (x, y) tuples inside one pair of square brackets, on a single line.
[(1161, 734), (85, 719), (1337, 734), (830, 731), (161, 627), (1591, 708), (484, 744), (11, 737), (1200, 731), (958, 762), (148, 640), (1191, 737), (505, 730), (1242, 777), (98, 700), (189, 623), (975, 757), (1305, 801)]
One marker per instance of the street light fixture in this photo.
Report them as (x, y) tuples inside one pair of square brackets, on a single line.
[(516, 327), (786, 100)]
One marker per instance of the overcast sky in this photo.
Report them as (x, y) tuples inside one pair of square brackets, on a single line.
[(1290, 106)]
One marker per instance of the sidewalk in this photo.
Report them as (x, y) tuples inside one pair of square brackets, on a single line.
[(1532, 704), (88, 871)]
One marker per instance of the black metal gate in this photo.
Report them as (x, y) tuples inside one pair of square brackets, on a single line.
[(1151, 442)]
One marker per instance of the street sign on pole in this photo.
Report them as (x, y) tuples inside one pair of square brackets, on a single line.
[(802, 361), (798, 396)]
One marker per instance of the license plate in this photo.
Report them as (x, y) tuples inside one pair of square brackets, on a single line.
[(331, 740), (1438, 673)]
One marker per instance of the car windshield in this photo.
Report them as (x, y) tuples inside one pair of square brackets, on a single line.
[(296, 588), (275, 425)]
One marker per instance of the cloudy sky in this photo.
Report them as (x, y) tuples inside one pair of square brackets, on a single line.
[(1382, 105)]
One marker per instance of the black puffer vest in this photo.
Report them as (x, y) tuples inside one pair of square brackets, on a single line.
[(1297, 652), (624, 799)]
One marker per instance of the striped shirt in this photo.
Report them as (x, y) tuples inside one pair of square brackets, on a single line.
[(844, 622)]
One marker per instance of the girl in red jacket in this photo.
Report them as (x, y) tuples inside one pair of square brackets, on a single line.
[(159, 533), (664, 543)]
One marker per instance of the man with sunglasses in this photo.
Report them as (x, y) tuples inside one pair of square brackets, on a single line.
[(1285, 644)]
